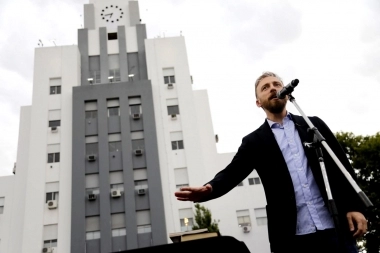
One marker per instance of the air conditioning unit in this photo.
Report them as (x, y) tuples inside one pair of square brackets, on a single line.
[(138, 152), (246, 229), (141, 191), (115, 193), (91, 158), (91, 196), (170, 86), (47, 250), (173, 116), (54, 129), (136, 115), (52, 204)]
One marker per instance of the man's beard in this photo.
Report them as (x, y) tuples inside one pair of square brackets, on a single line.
[(274, 106)]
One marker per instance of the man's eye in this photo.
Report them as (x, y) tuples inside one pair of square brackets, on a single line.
[(264, 88)]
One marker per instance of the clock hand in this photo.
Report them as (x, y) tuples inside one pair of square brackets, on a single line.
[(108, 14)]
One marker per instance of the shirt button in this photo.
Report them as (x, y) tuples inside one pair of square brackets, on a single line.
[(309, 203)]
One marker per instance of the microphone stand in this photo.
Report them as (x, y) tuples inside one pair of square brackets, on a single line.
[(319, 141)]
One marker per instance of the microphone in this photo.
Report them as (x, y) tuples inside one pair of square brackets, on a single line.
[(287, 89)]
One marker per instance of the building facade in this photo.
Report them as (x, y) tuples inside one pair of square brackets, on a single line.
[(114, 129)]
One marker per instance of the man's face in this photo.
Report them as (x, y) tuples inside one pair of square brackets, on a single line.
[(266, 95)]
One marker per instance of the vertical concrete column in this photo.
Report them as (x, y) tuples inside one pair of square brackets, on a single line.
[(141, 36), (83, 49), (104, 69), (123, 53)]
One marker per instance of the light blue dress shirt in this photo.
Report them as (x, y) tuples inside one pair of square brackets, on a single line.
[(312, 214)]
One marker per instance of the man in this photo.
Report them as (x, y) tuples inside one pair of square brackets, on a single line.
[(297, 210)]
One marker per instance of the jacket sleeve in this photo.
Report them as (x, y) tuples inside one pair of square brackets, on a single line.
[(239, 168), (348, 198)]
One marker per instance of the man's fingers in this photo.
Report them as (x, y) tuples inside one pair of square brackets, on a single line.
[(350, 223)]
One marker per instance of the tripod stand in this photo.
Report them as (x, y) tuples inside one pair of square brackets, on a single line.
[(318, 142)]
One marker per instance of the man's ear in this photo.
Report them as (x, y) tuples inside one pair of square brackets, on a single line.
[(258, 102)]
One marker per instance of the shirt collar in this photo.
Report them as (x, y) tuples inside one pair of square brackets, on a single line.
[(273, 124)]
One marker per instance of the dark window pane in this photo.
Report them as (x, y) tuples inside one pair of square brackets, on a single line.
[(50, 158), (49, 196), (135, 109), (58, 89), (174, 109), (257, 180), (115, 146), (174, 145), (180, 144), (250, 181), (117, 75), (91, 114), (113, 111), (97, 76), (172, 80), (54, 123), (56, 158), (54, 243), (166, 79), (92, 148), (112, 36), (52, 89)]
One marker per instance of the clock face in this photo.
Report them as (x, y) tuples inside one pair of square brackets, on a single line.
[(112, 13)]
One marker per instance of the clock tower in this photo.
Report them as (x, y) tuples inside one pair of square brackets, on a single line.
[(117, 200)]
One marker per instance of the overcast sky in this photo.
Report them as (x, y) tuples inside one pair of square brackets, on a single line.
[(331, 46)]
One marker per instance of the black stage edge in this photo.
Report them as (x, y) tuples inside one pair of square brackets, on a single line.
[(214, 244)]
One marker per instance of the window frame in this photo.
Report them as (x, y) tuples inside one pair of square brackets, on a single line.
[(55, 157), (176, 145), (55, 90)]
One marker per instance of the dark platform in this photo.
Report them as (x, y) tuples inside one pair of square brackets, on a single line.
[(209, 245)]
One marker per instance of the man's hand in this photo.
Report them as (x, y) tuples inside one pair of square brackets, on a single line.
[(356, 219), (193, 193)]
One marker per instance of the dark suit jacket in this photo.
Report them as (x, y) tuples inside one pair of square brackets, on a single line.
[(259, 150)]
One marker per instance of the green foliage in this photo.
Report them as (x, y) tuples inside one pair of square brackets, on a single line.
[(203, 219), (364, 155)]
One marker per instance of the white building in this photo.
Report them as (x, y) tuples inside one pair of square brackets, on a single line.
[(115, 129)]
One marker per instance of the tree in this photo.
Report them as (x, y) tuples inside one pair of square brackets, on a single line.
[(364, 155), (203, 219)]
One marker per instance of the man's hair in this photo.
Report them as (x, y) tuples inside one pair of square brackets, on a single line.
[(263, 75)]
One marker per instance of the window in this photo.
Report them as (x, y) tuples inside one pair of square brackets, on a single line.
[(255, 180), (95, 75), (118, 224), (112, 36), (119, 187), (186, 224), (50, 235), (186, 219), (113, 111), (243, 218), (116, 75), (92, 235), (144, 229), (50, 243), (115, 146), (119, 232), (53, 158), (240, 184), (261, 216), (173, 109), (2, 200), (181, 177), (55, 90), (177, 145), (54, 123), (91, 114), (51, 196), (169, 79), (92, 227)]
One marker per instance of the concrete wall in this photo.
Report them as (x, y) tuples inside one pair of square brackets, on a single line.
[(63, 63)]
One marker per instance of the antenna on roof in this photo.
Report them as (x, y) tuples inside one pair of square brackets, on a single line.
[(40, 43)]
